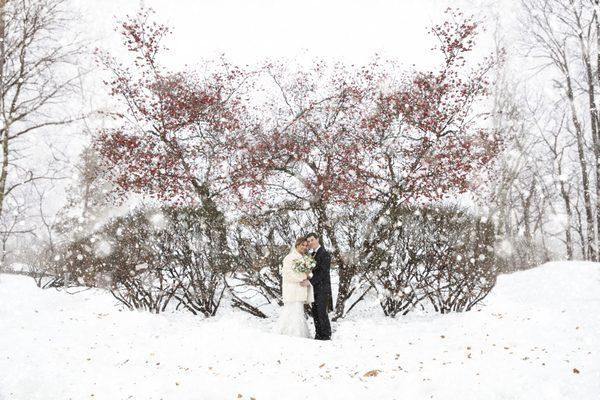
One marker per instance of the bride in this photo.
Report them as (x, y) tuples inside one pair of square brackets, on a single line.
[(296, 291)]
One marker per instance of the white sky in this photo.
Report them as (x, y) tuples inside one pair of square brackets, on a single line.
[(248, 31)]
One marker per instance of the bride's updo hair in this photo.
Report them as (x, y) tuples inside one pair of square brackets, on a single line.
[(299, 241)]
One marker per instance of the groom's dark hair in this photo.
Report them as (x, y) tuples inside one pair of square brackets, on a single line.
[(313, 234)]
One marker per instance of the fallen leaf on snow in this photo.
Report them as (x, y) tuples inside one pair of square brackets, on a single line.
[(373, 372)]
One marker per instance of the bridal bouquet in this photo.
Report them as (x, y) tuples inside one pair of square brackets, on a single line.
[(304, 265)]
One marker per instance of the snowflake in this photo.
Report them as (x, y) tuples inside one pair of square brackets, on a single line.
[(141, 266), (102, 248), (504, 249), (158, 221)]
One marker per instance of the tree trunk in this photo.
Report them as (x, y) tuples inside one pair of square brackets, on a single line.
[(579, 230), (587, 64), (3, 122), (597, 3), (579, 135), (568, 238), (567, 200)]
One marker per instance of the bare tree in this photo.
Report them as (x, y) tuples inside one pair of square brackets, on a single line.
[(564, 35), (38, 74), (558, 147), (515, 189), (12, 224)]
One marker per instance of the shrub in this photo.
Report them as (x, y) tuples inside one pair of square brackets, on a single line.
[(441, 255)]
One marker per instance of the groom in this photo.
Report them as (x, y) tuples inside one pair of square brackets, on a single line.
[(321, 282)]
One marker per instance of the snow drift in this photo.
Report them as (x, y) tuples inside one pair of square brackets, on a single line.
[(536, 336)]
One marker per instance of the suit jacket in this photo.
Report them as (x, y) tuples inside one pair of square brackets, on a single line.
[(321, 279)]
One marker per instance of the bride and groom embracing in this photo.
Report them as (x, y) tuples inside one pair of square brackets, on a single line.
[(306, 280)]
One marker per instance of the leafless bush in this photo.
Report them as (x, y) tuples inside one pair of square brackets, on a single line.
[(195, 266), (440, 255), (261, 242), (401, 254), (150, 258), (166, 254)]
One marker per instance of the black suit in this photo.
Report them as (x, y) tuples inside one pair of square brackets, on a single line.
[(321, 282)]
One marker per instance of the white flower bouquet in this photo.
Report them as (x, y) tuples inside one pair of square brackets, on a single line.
[(304, 265)]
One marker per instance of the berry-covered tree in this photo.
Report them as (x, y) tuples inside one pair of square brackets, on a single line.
[(175, 135), (339, 138)]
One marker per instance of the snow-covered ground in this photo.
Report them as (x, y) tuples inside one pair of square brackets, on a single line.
[(537, 337)]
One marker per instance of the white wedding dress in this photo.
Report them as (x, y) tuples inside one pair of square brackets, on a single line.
[(292, 321)]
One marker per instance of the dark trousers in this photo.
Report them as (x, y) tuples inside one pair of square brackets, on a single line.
[(319, 312)]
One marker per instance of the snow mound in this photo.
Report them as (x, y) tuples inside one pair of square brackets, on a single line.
[(552, 285), (536, 337)]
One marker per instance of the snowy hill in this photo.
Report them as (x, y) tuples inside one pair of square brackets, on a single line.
[(537, 337)]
